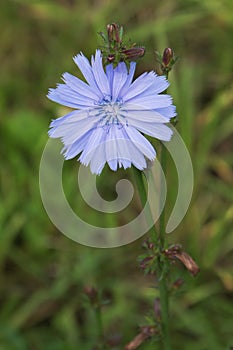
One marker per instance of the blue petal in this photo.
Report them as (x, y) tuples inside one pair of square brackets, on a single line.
[(78, 130), (149, 116), (148, 102), (110, 73), (98, 160), (160, 84), (92, 146), (99, 74), (67, 97), (128, 82), (148, 88), (111, 148), (71, 151), (75, 116), (140, 142), (114, 156), (157, 130), (80, 86), (127, 151), (120, 77), (66, 118), (86, 69), (142, 83), (70, 132), (168, 112)]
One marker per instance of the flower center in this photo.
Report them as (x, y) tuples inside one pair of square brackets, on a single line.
[(111, 110), (109, 113)]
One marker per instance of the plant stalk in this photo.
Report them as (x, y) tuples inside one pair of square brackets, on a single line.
[(138, 176), (162, 269), (158, 238), (99, 322)]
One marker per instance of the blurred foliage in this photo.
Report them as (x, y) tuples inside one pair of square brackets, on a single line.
[(43, 273)]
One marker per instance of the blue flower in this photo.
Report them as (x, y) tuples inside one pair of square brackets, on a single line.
[(111, 111)]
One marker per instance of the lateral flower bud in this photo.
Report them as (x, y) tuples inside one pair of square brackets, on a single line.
[(168, 55), (166, 61), (134, 52)]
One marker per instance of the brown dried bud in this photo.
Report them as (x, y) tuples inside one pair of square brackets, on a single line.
[(189, 263), (146, 332), (176, 252), (134, 52), (168, 55)]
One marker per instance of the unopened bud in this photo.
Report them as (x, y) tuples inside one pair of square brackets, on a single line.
[(168, 55), (134, 52), (114, 30), (110, 30)]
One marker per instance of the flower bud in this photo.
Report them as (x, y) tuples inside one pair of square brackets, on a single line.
[(110, 30), (168, 56), (115, 49), (114, 33), (134, 53)]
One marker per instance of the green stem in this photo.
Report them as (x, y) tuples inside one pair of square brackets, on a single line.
[(158, 239), (163, 291), (138, 176), (100, 326), (162, 267)]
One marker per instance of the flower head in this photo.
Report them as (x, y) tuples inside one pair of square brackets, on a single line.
[(111, 111)]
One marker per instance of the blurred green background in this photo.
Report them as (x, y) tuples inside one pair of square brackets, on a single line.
[(42, 272)]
